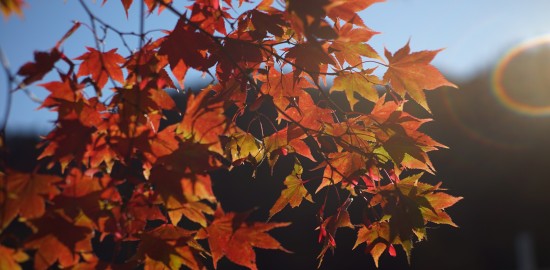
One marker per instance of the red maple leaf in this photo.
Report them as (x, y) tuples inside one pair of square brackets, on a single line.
[(101, 66), (43, 63), (311, 58), (58, 238), (169, 247), (183, 54), (228, 235), (26, 194)]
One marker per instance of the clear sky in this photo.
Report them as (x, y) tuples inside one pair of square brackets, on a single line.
[(474, 33)]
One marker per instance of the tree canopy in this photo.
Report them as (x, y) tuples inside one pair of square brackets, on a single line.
[(127, 164)]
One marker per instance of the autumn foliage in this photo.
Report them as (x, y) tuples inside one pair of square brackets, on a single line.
[(117, 166)]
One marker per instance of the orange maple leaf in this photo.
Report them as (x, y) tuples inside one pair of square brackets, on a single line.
[(294, 193), (283, 87), (203, 122), (351, 45), (362, 83), (169, 247), (228, 235), (26, 194), (411, 73)]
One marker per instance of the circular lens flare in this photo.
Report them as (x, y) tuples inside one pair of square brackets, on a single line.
[(503, 94)]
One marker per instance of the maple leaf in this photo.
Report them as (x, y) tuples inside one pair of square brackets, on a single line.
[(351, 45), (43, 63), (311, 58), (141, 208), (408, 206), (305, 112), (183, 54), (169, 247), (377, 238), (361, 83), (340, 167), (353, 135), (93, 196), (284, 141), (294, 192), (182, 193), (347, 10), (26, 194), (234, 91), (141, 107), (243, 146), (229, 236), (101, 66), (12, 6), (58, 238), (307, 18), (203, 122), (412, 73), (402, 149), (189, 157), (66, 90), (10, 258), (67, 99), (67, 143), (264, 23), (400, 138), (237, 57), (208, 17), (146, 66), (431, 201), (283, 87)]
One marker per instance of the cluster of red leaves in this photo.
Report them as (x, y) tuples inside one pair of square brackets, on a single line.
[(127, 176)]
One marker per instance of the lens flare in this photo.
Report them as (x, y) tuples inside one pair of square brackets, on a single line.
[(504, 95)]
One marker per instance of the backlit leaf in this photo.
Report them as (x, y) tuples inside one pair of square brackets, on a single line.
[(361, 83), (169, 247), (183, 54), (234, 239), (43, 63), (294, 193), (26, 194), (412, 73), (58, 239), (101, 66), (351, 45)]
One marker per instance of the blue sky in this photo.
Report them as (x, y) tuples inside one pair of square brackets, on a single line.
[(474, 33)]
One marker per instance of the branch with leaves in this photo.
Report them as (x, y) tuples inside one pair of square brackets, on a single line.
[(120, 170)]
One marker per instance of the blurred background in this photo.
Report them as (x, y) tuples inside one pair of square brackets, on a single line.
[(497, 125)]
